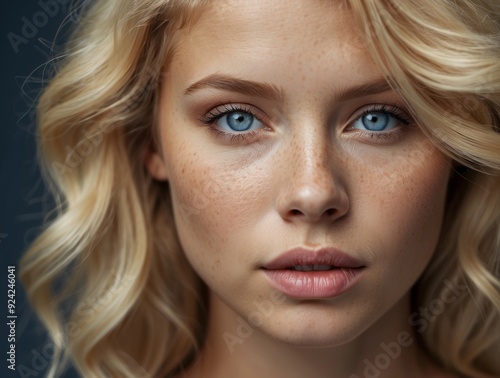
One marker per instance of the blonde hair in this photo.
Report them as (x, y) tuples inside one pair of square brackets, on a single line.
[(108, 277)]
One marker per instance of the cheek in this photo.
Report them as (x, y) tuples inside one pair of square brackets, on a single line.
[(217, 203), (402, 203), (214, 199)]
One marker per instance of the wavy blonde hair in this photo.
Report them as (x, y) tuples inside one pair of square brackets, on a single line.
[(108, 277)]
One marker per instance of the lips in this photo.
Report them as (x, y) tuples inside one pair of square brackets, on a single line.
[(304, 273), (313, 258), (308, 268)]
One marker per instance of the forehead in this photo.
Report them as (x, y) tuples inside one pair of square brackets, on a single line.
[(278, 16), (272, 40)]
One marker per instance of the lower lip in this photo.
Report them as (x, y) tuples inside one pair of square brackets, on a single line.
[(314, 284)]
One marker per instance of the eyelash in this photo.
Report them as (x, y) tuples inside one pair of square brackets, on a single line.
[(394, 111), (381, 136), (220, 111)]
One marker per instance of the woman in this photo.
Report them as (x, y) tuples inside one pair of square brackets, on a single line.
[(274, 189)]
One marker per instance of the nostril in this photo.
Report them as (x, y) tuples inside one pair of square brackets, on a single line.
[(301, 203)]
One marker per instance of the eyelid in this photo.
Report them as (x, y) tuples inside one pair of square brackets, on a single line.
[(378, 138), (395, 111), (217, 112), (214, 113)]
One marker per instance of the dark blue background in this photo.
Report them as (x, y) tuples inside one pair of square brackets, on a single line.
[(24, 200)]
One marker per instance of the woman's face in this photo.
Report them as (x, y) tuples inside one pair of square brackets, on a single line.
[(278, 133)]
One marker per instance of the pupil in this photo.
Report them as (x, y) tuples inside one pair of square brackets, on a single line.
[(239, 121)]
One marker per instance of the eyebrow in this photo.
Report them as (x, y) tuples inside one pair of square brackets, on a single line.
[(272, 92), (367, 89), (233, 84)]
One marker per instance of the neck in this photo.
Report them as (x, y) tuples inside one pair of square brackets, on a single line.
[(234, 348)]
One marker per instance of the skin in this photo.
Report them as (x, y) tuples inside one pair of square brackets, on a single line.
[(306, 178)]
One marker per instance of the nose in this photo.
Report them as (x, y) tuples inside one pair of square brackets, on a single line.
[(311, 187)]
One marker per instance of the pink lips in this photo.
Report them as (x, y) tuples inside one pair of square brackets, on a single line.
[(304, 273)]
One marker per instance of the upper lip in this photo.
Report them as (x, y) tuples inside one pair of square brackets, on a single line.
[(304, 256)]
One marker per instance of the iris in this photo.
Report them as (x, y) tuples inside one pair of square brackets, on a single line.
[(238, 121), (376, 121)]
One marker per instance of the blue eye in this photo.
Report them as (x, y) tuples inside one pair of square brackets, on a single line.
[(376, 121), (238, 120)]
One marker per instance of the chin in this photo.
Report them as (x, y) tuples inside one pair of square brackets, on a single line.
[(321, 335)]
